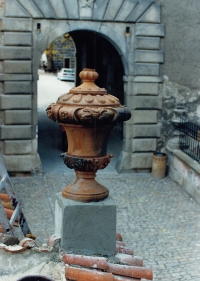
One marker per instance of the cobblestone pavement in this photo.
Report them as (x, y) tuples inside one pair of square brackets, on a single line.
[(155, 217)]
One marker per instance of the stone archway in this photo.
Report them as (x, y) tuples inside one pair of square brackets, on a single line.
[(28, 26)]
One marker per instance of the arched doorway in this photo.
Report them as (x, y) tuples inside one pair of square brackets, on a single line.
[(28, 27), (92, 51)]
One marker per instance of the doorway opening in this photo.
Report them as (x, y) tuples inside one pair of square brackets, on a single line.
[(91, 50)]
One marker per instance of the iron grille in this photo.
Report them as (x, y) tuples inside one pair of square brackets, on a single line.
[(189, 139)]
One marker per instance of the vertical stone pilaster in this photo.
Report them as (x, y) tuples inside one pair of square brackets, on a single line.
[(17, 138)]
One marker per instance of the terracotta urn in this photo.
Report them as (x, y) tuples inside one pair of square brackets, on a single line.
[(88, 114)]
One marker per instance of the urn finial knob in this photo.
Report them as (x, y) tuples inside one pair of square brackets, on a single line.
[(88, 75)]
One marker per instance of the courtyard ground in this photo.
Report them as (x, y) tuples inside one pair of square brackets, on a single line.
[(156, 218)]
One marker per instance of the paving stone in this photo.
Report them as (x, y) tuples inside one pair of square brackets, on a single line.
[(155, 217)]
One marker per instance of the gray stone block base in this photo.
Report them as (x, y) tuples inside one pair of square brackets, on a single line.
[(86, 228)]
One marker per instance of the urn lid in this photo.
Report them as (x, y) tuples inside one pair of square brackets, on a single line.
[(88, 93), (88, 104)]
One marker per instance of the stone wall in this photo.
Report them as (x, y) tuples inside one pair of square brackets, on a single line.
[(181, 69), (133, 27), (173, 93)]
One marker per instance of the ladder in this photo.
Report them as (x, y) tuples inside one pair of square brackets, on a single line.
[(7, 224)]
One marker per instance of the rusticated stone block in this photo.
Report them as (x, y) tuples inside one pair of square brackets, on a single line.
[(21, 163), (20, 147), (58, 9), (125, 9), (150, 79), (20, 132), (15, 53), (1, 88), (146, 69), (152, 15), (147, 43), (16, 77), (17, 66), (46, 9), (145, 88), (17, 24), (17, 87), (17, 39), (15, 102), (72, 9), (145, 29), (18, 117), (99, 9), (141, 160), (149, 56), (139, 10), (148, 131), (124, 161), (145, 116), (128, 130), (112, 9), (140, 145), (141, 102)]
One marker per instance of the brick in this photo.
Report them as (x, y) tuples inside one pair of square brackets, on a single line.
[(20, 147), (16, 87), (21, 163), (140, 145), (146, 69), (9, 24), (16, 132), (15, 53), (15, 102), (142, 6), (17, 66), (13, 117), (147, 131), (17, 39), (152, 15), (147, 43), (145, 29), (149, 56)]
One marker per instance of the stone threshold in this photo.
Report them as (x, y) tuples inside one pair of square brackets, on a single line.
[(185, 171)]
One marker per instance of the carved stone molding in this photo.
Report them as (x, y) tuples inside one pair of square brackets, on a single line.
[(86, 164), (86, 8)]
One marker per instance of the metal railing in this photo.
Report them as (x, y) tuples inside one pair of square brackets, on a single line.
[(189, 138)]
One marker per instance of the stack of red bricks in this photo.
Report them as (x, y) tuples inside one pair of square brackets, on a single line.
[(7, 207), (124, 266)]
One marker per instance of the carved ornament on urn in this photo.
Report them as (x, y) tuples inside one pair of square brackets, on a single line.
[(88, 114)]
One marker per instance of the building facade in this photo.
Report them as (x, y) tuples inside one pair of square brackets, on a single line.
[(134, 28)]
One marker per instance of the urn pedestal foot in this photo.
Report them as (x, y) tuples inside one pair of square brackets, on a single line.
[(85, 188)]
